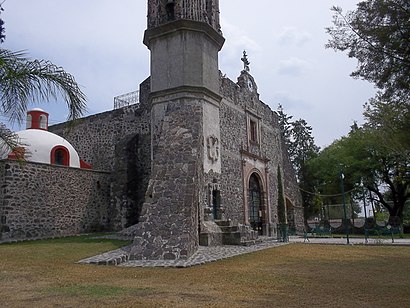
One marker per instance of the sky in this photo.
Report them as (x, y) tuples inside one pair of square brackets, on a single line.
[(100, 43)]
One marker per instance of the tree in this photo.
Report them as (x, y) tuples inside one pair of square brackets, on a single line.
[(282, 217), (24, 81), (377, 34), (285, 125), (281, 199), (364, 159), (391, 121), (298, 140), (301, 147)]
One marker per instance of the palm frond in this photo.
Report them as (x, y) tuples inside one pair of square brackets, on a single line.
[(24, 81), (8, 141)]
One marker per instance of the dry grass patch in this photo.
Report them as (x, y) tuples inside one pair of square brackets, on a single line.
[(44, 274)]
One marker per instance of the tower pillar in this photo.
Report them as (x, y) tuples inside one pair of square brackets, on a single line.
[(184, 40)]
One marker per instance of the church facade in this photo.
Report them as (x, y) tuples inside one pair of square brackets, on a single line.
[(200, 158)]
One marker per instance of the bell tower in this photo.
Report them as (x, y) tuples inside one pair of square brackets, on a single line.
[(163, 11), (184, 39)]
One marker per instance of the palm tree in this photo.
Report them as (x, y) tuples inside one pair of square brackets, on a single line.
[(24, 81)]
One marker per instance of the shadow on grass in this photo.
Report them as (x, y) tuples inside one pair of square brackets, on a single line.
[(97, 291), (80, 239)]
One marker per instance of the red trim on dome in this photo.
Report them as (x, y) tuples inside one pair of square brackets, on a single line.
[(39, 120), (60, 156), (84, 165)]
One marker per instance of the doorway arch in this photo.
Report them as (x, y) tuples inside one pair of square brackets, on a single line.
[(256, 210)]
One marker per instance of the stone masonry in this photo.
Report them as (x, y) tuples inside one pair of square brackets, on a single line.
[(40, 200), (195, 161), (168, 225), (117, 141)]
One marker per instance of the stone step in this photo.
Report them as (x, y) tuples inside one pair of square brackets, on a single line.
[(251, 242), (231, 238), (223, 223), (229, 229)]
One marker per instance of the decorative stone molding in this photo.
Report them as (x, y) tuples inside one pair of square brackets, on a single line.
[(212, 144)]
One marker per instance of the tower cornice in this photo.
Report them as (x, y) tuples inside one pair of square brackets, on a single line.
[(183, 25), (186, 92)]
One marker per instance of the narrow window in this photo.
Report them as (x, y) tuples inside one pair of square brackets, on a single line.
[(253, 131), (43, 122), (170, 10), (29, 120)]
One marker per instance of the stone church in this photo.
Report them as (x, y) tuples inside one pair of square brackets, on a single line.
[(195, 159)]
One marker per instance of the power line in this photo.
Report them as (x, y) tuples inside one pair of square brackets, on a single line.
[(328, 196)]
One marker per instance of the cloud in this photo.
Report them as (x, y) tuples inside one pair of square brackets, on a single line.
[(293, 36), (290, 102), (293, 67), (236, 37), (236, 42)]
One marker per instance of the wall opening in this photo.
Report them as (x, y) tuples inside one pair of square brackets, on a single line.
[(253, 131), (257, 213), (43, 122), (60, 156), (170, 9), (29, 121)]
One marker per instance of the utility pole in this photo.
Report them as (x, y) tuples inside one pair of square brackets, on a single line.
[(365, 213), (344, 206)]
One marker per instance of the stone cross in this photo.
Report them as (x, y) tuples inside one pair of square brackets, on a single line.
[(245, 61)]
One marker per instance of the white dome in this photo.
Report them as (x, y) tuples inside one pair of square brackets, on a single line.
[(39, 143), (36, 109)]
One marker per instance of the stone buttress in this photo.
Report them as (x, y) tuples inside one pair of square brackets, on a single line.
[(184, 40)]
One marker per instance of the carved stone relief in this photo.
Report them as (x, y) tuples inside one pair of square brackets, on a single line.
[(212, 144)]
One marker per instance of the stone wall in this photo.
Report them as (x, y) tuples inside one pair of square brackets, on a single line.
[(118, 141), (240, 157), (169, 222), (95, 137), (40, 200), (232, 138)]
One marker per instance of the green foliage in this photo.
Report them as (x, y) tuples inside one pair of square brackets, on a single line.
[(363, 156), (281, 199), (377, 34), (298, 139), (406, 214), (285, 125), (92, 238), (24, 81), (301, 147), (8, 140), (382, 216), (96, 291), (391, 122)]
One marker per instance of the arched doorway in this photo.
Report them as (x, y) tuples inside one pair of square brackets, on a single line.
[(255, 204)]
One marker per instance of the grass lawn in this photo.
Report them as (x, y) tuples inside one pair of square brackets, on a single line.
[(44, 274)]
